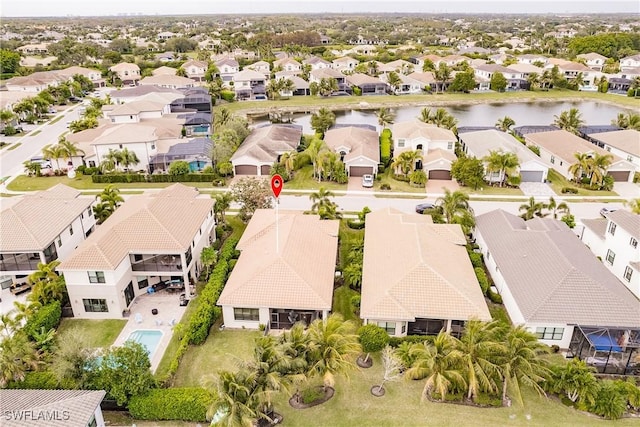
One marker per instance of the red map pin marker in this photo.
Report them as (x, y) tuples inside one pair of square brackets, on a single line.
[(276, 185)]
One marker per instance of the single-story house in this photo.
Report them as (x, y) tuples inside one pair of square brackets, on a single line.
[(549, 280), (345, 64), (164, 71), (417, 278), (479, 144), (277, 280), (122, 96), (197, 152), (358, 146), (622, 143), (263, 147), (558, 149), (287, 64), (407, 84), (169, 81), (136, 111), (368, 85), (301, 87), (425, 79), (53, 408)]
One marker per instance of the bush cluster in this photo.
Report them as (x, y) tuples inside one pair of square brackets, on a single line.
[(569, 190), (385, 146), (482, 279), (476, 259), (396, 341), (134, 177), (36, 380), (355, 224), (47, 317), (495, 298), (185, 404)]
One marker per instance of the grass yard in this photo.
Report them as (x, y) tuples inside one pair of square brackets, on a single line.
[(83, 182), (34, 133), (100, 333), (342, 303), (387, 178), (346, 236), (221, 351), (14, 146), (493, 191), (303, 180), (558, 182)]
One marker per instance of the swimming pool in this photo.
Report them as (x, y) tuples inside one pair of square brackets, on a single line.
[(148, 338)]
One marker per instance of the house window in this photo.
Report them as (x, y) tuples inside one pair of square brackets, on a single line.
[(89, 212), (560, 162), (553, 159), (449, 145), (95, 305), (611, 256), (400, 143), (404, 327), (629, 159), (246, 314), (59, 241), (549, 333), (71, 230), (633, 242), (143, 282), (137, 257), (628, 272), (50, 253), (96, 276), (390, 327), (612, 228)]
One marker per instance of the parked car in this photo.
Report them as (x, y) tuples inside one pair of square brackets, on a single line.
[(605, 211), (424, 207), (367, 181)]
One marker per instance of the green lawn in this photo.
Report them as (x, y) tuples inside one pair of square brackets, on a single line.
[(100, 333), (83, 182), (312, 103), (558, 182), (303, 180), (493, 191), (342, 303), (387, 178), (14, 146), (221, 351), (346, 235), (34, 133)]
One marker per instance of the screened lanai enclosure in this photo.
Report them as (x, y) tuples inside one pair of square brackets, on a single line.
[(609, 350)]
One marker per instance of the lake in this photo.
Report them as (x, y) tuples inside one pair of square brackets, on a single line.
[(524, 113)]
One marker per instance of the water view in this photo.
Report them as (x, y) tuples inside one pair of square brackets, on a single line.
[(529, 113)]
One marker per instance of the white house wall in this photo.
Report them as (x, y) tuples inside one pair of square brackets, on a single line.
[(558, 164), (230, 322), (566, 335), (635, 160), (143, 150)]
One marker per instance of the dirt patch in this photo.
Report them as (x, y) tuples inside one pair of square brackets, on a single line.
[(378, 391)]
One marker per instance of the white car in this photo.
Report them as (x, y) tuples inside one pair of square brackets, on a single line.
[(367, 181)]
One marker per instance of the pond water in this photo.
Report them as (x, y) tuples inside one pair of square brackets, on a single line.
[(525, 113)]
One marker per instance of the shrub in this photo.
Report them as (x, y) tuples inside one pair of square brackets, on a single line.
[(355, 224), (179, 167), (402, 178), (609, 403), (228, 95), (495, 298), (385, 186), (9, 130), (208, 170), (373, 338), (312, 394), (81, 169), (173, 404), (569, 190), (357, 91), (535, 149), (385, 146), (418, 178), (91, 171), (476, 259), (482, 279), (47, 317), (45, 380), (636, 177), (396, 341), (355, 301)]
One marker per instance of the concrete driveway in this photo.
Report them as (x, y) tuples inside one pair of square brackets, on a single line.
[(537, 189), (628, 190), (355, 184), (437, 186)]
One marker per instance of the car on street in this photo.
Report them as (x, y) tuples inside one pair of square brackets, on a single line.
[(605, 211), (420, 208), (367, 181)]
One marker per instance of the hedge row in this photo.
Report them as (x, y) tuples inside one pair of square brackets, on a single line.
[(185, 404), (47, 317), (396, 341), (385, 146), (134, 177), (482, 279)]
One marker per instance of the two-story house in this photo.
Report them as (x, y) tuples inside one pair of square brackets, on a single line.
[(42, 227), (593, 60), (346, 64), (227, 68), (262, 67), (316, 63), (94, 75), (287, 64), (127, 72), (614, 239), (632, 61), (151, 241), (248, 83), (195, 70), (514, 78)]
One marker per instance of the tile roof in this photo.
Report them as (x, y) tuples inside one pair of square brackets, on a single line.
[(167, 80), (597, 225), (139, 91), (28, 225), (360, 142), (124, 66), (265, 143), (416, 269), (161, 222), (327, 73), (484, 141), (439, 154), (564, 144), (416, 129), (79, 405), (423, 77), (552, 275), (295, 278), (358, 79), (247, 75), (626, 220), (627, 140), (135, 107)]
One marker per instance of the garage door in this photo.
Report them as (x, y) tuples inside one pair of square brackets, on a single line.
[(619, 176), (531, 176), (360, 170), (246, 170), (265, 170), (439, 174)]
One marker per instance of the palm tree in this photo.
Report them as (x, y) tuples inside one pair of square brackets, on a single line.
[(6, 117), (578, 81), (406, 161), (273, 88), (111, 195), (68, 148), (581, 166), (235, 403), (534, 81), (599, 164), (505, 123), (569, 120), (53, 152), (321, 199), (127, 158), (531, 209), (438, 362), (287, 85), (288, 160), (478, 347), (456, 209), (102, 211), (629, 121), (223, 201), (385, 117), (295, 345), (322, 120), (521, 363), (333, 344), (576, 380), (555, 208), (634, 205), (48, 286), (441, 75), (313, 151), (501, 162), (18, 355), (394, 80)]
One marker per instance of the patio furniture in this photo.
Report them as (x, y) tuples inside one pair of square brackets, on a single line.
[(138, 318), (154, 311)]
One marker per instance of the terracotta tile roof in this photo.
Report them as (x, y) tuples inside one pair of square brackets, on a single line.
[(164, 222), (627, 140), (79, 405), (564, 144), (552, 275), (627, 221), (167, 80), (359, 141), (425, 78), (597, 225), (439, 154), (299, 277), (358, 79), (416, 269), (124, 66), (32, 223), (264, 144), (481, 143), (135, 107)]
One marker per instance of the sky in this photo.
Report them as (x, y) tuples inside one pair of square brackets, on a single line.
[(35, 8)]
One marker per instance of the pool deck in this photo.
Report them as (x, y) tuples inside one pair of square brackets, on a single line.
[(168, 306)]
